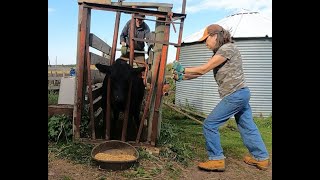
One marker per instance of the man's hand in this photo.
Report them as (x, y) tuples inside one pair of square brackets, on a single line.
[(178, 67), (124, 50)]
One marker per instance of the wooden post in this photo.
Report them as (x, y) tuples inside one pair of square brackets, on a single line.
[(127, 110), (159, 34), (112, 59), (157, 116), (82, 50)]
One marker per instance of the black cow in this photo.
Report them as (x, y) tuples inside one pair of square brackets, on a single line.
[(120, 73)]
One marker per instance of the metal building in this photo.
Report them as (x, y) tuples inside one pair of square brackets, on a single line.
[(252, 34)]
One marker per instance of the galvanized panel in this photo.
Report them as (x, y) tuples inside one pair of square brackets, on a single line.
[(202, 93)]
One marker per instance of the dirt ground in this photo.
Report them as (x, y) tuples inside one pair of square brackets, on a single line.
[(235, 169)]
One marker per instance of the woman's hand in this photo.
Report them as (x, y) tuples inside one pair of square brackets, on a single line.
[(178, 67)]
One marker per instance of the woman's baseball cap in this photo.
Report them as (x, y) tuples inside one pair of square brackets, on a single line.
[(211, 29)]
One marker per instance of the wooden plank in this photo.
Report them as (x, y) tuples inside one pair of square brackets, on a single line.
[(98, 113), (89, 84), (157, 118), (143, 4), (60, 109), (131, 10), (99, 44), (97, 103), (99, 59), (190, 117), (96, 86), (148, 100), (96, 92), (189, 111), (53, 87), (96, 1), (96, 76), (82, 50)]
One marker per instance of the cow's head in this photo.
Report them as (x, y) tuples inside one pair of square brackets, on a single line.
[(120, 74)]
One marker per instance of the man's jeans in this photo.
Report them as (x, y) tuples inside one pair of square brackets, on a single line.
[(236, 104)]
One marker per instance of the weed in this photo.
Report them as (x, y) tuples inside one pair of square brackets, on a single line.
[(75, 151), (59, 127), (52, 97)]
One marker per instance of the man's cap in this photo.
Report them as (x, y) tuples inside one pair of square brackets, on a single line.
[(140, 16), (211, 29)]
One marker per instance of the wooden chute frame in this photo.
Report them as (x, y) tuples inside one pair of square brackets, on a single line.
[(85, 59)]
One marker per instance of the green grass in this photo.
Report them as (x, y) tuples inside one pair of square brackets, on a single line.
[(191, 132), (181, 141), (75, 151)]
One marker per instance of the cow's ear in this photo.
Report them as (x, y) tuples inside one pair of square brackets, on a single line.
[(103, 68), (136, 71)]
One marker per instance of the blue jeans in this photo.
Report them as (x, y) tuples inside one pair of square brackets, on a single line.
[(236, 104)]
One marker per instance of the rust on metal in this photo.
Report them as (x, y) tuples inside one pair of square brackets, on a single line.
[(74, 113), (171, 21), (180, 31), (83, 63), (83, 48), (130, 10), (89, 81), (131, 57), (112, 58), (159, 86), (148, 100), (154, 41), (156, 20)]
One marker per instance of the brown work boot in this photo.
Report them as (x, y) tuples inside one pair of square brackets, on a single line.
[(263, 165), (213, 165)]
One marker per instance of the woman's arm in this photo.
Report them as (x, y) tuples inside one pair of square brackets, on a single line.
[(180, 76), (191, 76), (215, 61)]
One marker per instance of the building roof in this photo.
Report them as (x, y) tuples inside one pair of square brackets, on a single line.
[(241, 24)]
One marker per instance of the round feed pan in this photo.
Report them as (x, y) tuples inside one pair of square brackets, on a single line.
[(115, 149)]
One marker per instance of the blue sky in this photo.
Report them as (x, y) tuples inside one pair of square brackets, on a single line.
[(63, 21)]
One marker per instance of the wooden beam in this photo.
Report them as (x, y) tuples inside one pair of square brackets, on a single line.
[(82, 49), (99, 59), (97, 103), (96, 1), (157, 118), (131, 10), (98, 114), (96, 76), (143, 4), (190, 117), (53, 87), (99, 44), (59, 110), (96, 92)]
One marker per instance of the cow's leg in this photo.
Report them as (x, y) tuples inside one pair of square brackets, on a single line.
[(102, 129), (115, 128), (136, 119)]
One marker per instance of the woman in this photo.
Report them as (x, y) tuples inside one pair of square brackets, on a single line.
[(226, 64)]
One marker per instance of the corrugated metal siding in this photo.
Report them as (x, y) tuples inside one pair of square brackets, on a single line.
[(202, 93)]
